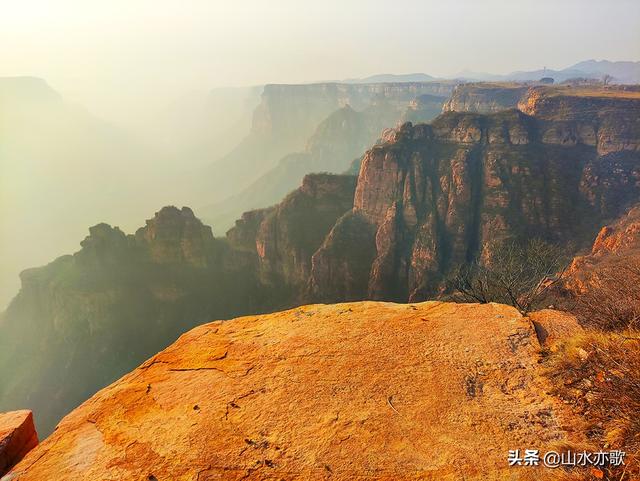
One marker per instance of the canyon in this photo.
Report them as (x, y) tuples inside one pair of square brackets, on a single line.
[(427, 199), (301, 129)]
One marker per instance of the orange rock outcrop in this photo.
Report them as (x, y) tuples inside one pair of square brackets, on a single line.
[(430, 391), (17, 437), (615, 244)]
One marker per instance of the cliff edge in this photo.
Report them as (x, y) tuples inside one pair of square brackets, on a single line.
[(17, 437), (348, 391)]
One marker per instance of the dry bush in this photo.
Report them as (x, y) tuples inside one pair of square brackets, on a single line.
[(519, 275), (611, 300), (598, 373)]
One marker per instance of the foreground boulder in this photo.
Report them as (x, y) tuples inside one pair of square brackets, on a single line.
[(17, 437), (362, 390)]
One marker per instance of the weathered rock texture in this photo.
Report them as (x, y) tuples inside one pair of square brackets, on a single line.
[(17, 437), (616, 244), (433, 197), (485, 97), (367, 390)]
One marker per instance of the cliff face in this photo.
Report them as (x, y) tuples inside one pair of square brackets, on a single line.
[(429, 391), (296, 228), (484, 97), (316, 128), (288, 115), (436, 196), (285, 237), (123, 297)]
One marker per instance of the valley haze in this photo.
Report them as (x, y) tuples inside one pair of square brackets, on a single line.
[(318, 240)]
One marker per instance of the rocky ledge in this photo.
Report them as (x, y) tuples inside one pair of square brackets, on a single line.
[(348, 391), (17, 437)]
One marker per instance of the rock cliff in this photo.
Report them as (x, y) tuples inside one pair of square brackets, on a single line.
[(485, 97), (17, 437), (381, 391), (615, 245), (289, 115), (436, 196)]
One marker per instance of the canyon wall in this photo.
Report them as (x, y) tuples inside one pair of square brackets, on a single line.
[(428, 198), (484, 97), (288, 115), (436, 196)]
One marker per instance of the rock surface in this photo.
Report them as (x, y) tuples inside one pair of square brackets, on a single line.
[(17, 437), (616, 244), (484, 97), (430, 391), (437, 196)]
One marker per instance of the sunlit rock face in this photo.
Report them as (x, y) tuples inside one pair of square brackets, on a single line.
[(616, 244), (394, 391), (436, 196), (17, 437)]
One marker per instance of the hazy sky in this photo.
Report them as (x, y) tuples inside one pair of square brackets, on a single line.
[(105, 53)]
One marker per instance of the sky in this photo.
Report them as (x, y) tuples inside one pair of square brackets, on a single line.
[(110, 54)]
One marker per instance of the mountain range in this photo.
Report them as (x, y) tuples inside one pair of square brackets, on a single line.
[(427, 199), (621, 72)]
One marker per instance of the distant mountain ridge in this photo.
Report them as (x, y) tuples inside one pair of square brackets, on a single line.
[(393, 78), (622, 72)]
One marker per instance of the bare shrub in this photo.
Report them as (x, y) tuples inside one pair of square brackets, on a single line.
[(611, 299), (517, 274)]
